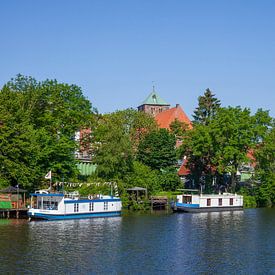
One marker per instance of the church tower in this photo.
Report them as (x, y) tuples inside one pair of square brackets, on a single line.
[(153, 104)]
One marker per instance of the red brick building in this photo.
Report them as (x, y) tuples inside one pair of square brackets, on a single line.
[(164, 116)]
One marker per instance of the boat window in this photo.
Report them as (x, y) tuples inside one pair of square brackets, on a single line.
[(76, 207), (186, 199), (220, 201), (91, 206), (231, 201), (105, 205), (208, 202)]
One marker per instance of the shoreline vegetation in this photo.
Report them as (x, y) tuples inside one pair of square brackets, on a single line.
[(39, 119)]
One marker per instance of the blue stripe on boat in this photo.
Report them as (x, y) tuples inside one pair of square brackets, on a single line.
[(74, 216), (188, 205)]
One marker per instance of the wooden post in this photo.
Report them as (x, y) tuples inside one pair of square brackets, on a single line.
[(17, 214), (8, 214)]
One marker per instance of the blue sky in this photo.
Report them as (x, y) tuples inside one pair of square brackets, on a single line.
[(115, 49)]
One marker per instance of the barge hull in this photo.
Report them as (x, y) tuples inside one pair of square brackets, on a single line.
[(41, 216), (206, 209)]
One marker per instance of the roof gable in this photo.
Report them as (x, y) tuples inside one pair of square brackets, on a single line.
[(164, 119)]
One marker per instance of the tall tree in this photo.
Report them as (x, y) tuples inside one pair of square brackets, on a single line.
[(265, 169), (48, 113), (116, 138), (207, 108), (232, 132), (143, 176), (199, 150), (157, 149)]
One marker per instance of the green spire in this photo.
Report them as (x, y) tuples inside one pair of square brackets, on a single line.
[(154, 99)]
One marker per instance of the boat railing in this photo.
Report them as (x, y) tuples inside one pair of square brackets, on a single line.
[(72, 195)]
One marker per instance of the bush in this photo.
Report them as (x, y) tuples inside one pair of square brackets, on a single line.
[(170, 181), (249, 201)]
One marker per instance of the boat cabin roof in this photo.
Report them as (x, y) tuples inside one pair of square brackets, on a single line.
[(47, 195)]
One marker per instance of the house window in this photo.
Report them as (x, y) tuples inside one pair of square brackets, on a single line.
[(91, 206), (105, 205), (231, 201), (208, 202), (220, 202), (76, 207)]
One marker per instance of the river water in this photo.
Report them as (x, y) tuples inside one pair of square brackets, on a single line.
[(239, 242)]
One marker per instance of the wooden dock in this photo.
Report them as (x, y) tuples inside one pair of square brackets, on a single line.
[(14, 213), (159, 202)]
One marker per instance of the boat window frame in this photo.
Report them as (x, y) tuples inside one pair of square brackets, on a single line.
[(76, 207), (91, 206), (105, 207)]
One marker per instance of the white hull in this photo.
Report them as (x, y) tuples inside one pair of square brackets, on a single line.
[(56, 206), (207, 203)]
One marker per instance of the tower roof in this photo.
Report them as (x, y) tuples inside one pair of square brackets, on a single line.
[(154, 99)]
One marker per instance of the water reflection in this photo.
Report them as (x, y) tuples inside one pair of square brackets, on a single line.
[(239, 242)]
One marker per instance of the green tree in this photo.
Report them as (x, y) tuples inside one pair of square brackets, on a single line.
[(198, 148), (265, 169), (116, 137), (39, 120), (143, 176), (207, 108), (169, 180), (179, 129), (197, 145), (232, 131), (157, 150)]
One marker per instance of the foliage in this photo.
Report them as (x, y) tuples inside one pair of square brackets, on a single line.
[(179, 128), (249, 201), (94, 188), (157, 150), (169, 180), (116, 136), (265, 169), (232, 134), (222, 145), (37, 127), (139, 206), (207, 108), (199, 150), (143, 176)]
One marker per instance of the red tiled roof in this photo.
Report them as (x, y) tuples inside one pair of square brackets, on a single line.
[(165, 118), (184, 171), (250, 155)]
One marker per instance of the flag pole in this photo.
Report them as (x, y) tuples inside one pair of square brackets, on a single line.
[(51, 184)]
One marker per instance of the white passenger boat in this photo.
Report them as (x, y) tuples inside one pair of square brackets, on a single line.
[(59, 206), (206, 203)]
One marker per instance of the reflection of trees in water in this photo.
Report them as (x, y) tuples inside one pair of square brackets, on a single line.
[(217, 239), (13, 244), (72, 245)]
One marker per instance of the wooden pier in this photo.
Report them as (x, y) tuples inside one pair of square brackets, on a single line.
[(14, 213), (159, 202)]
